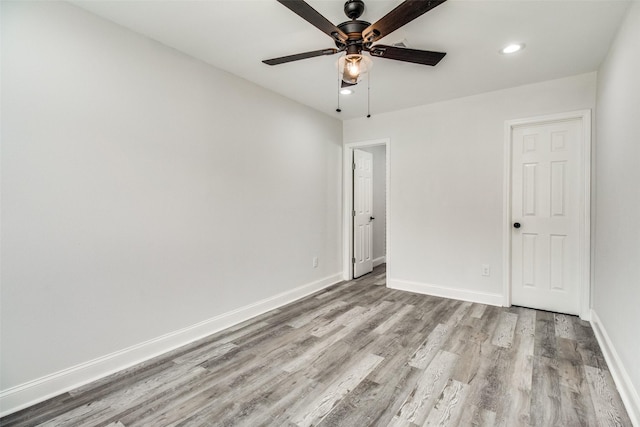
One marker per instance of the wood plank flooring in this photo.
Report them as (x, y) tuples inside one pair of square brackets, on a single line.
[(359, 354)]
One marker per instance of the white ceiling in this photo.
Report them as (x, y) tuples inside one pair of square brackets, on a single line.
[(562, 38)]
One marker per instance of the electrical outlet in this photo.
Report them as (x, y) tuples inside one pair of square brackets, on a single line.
[(315, 262), (486, 270)]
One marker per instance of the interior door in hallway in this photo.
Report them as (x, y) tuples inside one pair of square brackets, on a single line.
[(545, 241), (362, 212)]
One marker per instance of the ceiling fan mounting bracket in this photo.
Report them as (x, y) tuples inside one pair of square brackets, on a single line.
[(354, 8)]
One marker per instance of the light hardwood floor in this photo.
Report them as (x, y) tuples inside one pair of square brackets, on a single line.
[(359, 354)]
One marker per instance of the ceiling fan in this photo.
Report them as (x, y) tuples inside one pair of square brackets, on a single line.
[(354, 37)]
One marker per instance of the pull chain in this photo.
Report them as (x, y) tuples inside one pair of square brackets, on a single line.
[(338, 109), (369, 94)]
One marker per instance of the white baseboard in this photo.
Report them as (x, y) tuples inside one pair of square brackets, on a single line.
[(41, 389), (380, 260), (446, 292), (628, 393)]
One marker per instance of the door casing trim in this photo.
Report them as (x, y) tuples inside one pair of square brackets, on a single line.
[(347, 203), (584, 217)]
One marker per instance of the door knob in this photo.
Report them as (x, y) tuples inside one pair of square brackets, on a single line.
[(516, 225), (371, 218)]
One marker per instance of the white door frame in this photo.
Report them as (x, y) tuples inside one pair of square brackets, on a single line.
[(584, 233), (347, 192)]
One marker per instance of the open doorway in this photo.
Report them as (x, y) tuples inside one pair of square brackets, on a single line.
[(376, 221)]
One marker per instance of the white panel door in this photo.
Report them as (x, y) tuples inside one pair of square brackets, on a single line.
[(546, 216), (362, 212)]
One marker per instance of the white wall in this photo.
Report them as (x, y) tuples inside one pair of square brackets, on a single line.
[(617, 213), (447, 182), (379, 153), (144, 191)]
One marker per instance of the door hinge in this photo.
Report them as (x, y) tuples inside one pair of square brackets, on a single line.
[(353, 166), (353, 260), (353, 213)]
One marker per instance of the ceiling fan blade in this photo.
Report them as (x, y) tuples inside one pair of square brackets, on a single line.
[(299, 56), (401, 15), (424, 57), (312, 16), (344, 84)]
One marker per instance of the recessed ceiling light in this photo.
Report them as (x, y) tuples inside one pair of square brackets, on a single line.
[(346, 91), (512, 48)]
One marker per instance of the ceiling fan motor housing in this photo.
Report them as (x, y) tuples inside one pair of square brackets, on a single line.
[(354, 8), (353, 29)]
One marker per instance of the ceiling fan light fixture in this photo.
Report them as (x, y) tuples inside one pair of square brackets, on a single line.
[(512, 48), (353, 67), (346, 91)]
